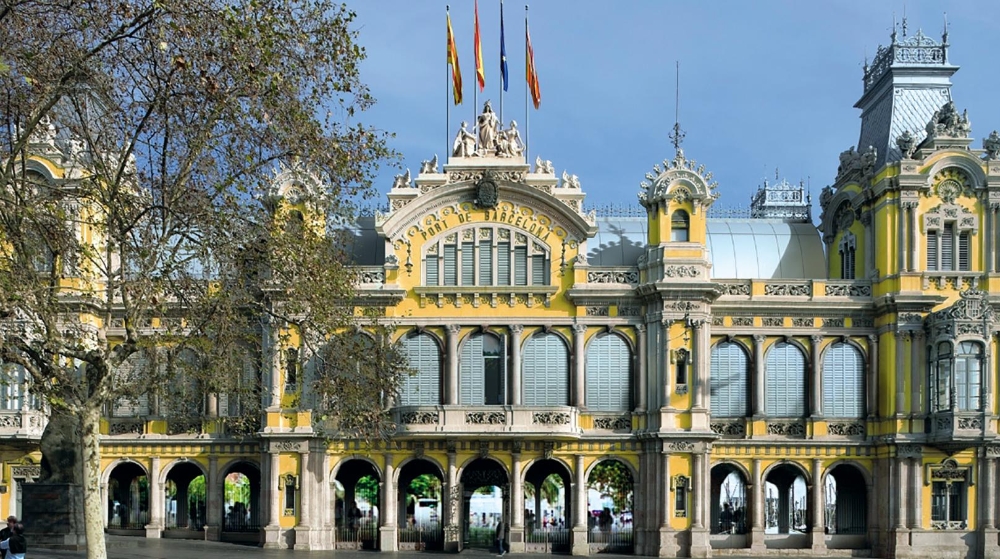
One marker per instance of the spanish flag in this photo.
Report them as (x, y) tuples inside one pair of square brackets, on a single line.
[(480, 71), (531, 75), (456, 72)]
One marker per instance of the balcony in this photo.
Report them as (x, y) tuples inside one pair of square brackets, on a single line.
[(956, 430), (22, 424), (478, 420)]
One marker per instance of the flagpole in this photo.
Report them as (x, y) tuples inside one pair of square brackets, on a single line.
[(501, 79), (475, 86), (527, 121), (447, 101)]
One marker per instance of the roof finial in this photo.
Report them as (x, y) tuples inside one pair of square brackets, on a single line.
[(904, 21), (776, 174), (893, 34), (944, 35), (677, 136)]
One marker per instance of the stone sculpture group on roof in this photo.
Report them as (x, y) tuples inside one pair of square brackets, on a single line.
[(490, 139)]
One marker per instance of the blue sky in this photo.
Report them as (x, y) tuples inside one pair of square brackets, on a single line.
[(763, 84)]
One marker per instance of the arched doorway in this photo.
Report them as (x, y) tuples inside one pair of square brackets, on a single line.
[(786, 507), (356, 505), (846, 508), (185, 502), (610, 497), (241, 503), (486, 500), (730, 508), (548, 507), (128, 499), (422, 512)]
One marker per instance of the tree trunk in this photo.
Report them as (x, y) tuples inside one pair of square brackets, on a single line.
[(93, 509)]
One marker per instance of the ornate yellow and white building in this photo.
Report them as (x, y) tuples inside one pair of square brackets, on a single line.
[(764, 384)]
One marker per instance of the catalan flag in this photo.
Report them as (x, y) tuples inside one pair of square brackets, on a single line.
[(531, 74), (456, 72), (480, 71)]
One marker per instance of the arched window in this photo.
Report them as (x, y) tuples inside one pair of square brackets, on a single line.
[(843, 381), (848, 247), (482, 371), (679, 226), (130, 380), (728, 380), (545, 370), (422, 386), (785, 381), (608, 370), (479, 256)]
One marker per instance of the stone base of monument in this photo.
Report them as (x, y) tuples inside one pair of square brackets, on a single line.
[(48, 513)]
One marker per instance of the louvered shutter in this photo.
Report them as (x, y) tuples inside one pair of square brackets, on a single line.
[(843, 381), (545, 370), (472, 373), (728, 380), (785, 381), (132, 371), (431, 266), (422, 385), (468, 263), (539, 270), (503, 263), (450, 265), (485, 263), (948, 248), (932, 250), (608, 371), (963, 251), (521, 265)]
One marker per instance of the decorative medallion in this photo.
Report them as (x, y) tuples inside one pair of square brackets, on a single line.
[(487, 192), (948, 190)]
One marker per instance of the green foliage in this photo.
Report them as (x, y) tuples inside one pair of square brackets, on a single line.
[(425, 486), (613, 479)]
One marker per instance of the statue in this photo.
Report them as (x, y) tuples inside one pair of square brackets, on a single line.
[(510, 144), (402, 180), (992, 145), (465, 142), (868, 159), (825, 197), (429, 166), (488, 126), (849, 160), (544, 166), (947, 123), (569, 181), (907, 144)]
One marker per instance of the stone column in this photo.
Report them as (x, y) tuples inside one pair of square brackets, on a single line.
[(699, 365), (916, 488), (900, 490), (390, 503), (988, 497), (758, 375), (640, 372), (451, 335), (700, 546), (104, 502), (757, 508), (579, 543), (515, 363), (870, 261), (272, 363), (517, 504), (579, 381), (452, 516), (272, 532), (901, 338), (157, 501), (901, 254), (991, 237), (213, 498), (918, 374), (668, 537), (871, 393), (816, 378), (667, 374), (816, 507), (303, 531), (914, 238)]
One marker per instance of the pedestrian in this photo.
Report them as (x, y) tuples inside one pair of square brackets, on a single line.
[(502, 537), (15, 545), (6, 532)]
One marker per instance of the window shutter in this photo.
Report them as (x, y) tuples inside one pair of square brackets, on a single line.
[(468, 263), (472, 373), (450, 265), (948, 248), (431, 264), (785, 381), (963, 251), (728, 380), (521, 265), (503, 263), (132, 370), (932, 250), (843, 381), (422, 386), (545, 371), (485, 263), (608, 371), (539, 270)]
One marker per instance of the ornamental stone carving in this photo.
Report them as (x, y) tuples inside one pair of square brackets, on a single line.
[(970, 423), (947, 123), (992, 145), (742, 288), (550, 418), (620, 423), (544, 167), (370, 276), (419, 418), (289, 446), (787, 429), (679, 446), (907, 144), (773, 321), (629, 277), (681, 272), (124, 427), (847, 290), (833, 322), (729, 429), (868, 159), (663, 183), (802, 322), (603, 310), (629, 311), (788, 289), (486, 418), (429, 166), (25, 471), (850, 160), (742, 321), (10, 420), (849, 429)]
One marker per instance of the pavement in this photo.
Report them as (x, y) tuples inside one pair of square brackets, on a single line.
[(125, 547)]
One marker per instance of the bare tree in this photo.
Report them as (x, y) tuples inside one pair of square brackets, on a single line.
[(145, 251)]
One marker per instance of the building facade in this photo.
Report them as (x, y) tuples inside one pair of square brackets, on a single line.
[(751, 382)]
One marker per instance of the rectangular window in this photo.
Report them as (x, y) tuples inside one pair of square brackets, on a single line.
[(485, 263), (539, 271), (432, 270), (680, 497), (948, 248), (468, 263), (503, 263), (948, 504), (450, 265), (932, 250), (521, 265), (289, 498), (963, 251)]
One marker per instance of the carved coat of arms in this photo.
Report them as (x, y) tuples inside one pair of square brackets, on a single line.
[(487, 192)]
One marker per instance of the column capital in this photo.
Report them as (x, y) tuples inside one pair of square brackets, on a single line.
[(453, 329), (516, 328), (872, 338), (640, 328), (758, 339), (579, 329), (816, 339)]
